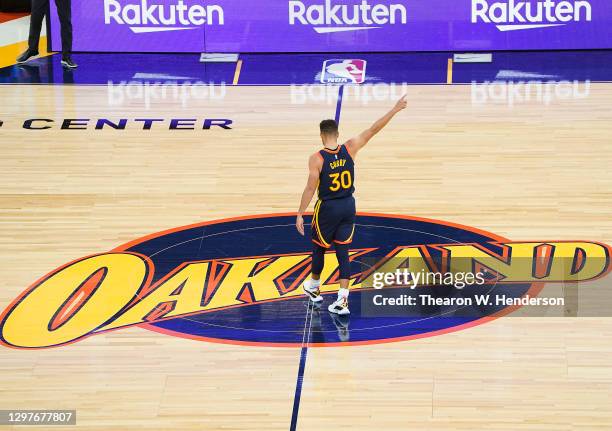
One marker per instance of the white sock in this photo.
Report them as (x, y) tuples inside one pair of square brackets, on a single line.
[(343, 293), (315, 283)]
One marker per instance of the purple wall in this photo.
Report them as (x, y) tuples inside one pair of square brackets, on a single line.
[(337, 25)]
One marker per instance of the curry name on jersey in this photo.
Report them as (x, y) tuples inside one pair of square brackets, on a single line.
[(337, 176)]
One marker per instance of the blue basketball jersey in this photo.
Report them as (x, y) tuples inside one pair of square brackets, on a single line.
[(337, 176)]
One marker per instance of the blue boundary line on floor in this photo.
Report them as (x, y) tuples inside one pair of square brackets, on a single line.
[(308, 322), (303, 356), (298, 389), (339, 103)]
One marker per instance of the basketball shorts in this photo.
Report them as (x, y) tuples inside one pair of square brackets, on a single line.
[(333, 221)]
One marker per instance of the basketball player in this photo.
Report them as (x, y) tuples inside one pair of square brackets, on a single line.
[(332, 174)]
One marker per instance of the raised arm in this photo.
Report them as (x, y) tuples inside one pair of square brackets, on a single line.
[(314, 169), (358, 142)]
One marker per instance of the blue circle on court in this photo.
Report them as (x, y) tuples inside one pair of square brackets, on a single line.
[(293, 320)]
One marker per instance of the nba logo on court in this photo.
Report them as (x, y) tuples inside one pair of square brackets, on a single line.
[(338, 71)]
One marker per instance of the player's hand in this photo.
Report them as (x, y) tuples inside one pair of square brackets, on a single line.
[(402, 103), (299, 224)]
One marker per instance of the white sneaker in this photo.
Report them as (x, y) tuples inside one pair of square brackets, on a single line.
[(340, 307), (313, 292)]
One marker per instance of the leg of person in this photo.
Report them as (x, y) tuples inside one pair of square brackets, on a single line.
[(342, 240), (321, 239), (311, 287), (324, 223), (340, 306), (64, 12), (39, 9)]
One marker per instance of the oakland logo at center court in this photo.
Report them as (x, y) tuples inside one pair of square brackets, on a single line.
[(239, 281)]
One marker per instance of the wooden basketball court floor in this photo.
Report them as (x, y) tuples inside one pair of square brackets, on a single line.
[(525, 171)]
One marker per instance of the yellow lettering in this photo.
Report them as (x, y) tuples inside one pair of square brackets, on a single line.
[(518, 267), (578, 261), (182, 291), (29, 322)]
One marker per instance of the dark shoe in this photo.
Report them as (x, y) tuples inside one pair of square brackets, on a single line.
[(27, 56), (67, 62)]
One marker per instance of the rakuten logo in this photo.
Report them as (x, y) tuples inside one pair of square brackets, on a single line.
[(512, 15), (145, 18), (330, 18), (159, 93), (527, 92), (363, 94)]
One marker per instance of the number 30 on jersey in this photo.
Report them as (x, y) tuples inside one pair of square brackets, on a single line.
[(340, 180)]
